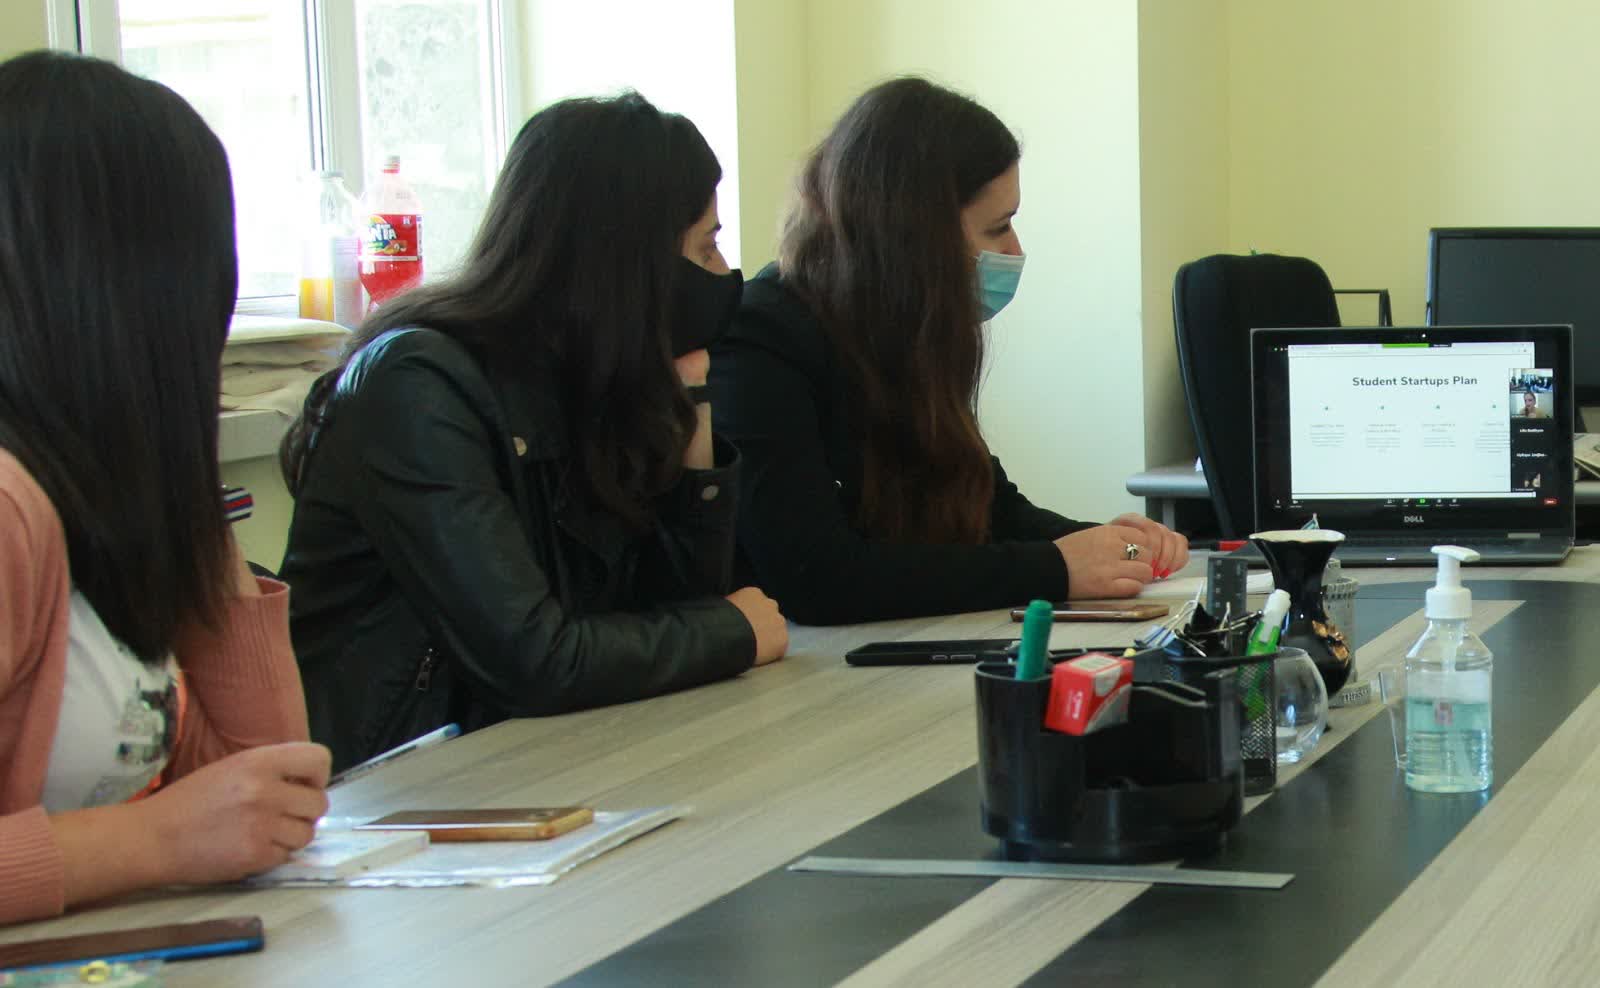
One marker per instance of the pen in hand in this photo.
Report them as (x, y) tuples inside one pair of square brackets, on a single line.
[(428, 740)]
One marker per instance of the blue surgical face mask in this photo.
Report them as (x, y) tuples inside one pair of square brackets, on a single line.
[(998, 275)]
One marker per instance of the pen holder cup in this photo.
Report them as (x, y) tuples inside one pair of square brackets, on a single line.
[(1254, 720), (1165, 784)]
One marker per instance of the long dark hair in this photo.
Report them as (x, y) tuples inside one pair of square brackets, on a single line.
[(117, 283), (573, 269), (875, 245)]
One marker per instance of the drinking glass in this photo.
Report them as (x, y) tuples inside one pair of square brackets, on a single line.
[(1302, 704), (1392, 689)]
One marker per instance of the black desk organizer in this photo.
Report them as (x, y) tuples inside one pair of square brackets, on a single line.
[(1256, 725), (1166, 784)]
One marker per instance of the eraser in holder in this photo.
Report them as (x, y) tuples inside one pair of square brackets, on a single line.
[(1088, 693)]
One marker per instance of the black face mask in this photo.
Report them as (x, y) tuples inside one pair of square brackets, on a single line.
[(703, 305)]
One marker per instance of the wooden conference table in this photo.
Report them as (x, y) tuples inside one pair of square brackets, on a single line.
[(812, 755)]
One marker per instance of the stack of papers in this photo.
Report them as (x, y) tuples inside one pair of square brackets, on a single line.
[(500, 864), (334, 854)]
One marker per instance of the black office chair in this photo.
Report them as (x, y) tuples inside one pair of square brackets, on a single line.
[(1216, 301)]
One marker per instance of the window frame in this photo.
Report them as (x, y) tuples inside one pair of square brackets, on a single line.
[(93, 27)]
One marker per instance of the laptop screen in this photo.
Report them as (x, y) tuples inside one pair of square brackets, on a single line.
[(1398, 430)]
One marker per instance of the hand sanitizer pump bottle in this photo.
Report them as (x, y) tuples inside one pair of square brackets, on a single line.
[(1449, 731)]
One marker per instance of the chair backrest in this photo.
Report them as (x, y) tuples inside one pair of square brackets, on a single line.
[(1216, 301)]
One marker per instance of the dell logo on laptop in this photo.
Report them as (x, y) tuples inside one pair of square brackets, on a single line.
[(1413, 519)]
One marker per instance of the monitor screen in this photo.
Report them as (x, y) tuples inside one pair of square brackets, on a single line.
[(1511, 276), (1370, 428)]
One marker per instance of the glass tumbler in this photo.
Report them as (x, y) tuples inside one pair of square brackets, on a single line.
[(1302, 704)]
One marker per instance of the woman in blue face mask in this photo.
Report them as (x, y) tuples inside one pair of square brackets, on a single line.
[(849, 382)]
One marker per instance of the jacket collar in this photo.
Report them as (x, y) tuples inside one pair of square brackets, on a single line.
[(529, 401)]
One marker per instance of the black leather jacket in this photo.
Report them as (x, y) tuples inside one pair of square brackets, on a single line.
[(445, 566)]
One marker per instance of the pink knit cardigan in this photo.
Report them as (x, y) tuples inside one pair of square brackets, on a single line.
[(243, 688)]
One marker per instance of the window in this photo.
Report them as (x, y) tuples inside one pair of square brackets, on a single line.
[(315, 84)]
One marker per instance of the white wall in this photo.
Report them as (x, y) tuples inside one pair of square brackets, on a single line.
[(1064, 75), (679, 55)]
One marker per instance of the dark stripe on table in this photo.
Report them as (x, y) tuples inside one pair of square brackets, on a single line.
[(1348, 828)]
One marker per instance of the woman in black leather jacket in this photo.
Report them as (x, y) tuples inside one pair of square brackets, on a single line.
[(508, 498)]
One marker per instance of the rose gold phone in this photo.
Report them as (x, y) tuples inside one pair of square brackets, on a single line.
[(1070, 611), (469, 825)]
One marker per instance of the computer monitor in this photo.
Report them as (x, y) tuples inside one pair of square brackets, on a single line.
[(1518, 275)]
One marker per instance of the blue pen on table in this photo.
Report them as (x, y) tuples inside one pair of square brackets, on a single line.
[(428, 740), (1033, 653)]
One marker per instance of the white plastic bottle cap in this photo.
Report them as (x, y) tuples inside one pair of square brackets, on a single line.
[(1447, 599)]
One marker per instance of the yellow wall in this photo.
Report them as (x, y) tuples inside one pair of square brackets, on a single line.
[(263, 535), (772, 55), (1183, 171), (22, 26), (1358, 124), (1062, 403)]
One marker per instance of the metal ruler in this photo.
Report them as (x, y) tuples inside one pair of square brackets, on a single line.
[(1142, 874)]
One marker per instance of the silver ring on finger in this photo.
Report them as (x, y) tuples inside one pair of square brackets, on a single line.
[(1131, 552)]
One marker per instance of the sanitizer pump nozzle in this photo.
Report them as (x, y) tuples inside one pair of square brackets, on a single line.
[(1448, 600)]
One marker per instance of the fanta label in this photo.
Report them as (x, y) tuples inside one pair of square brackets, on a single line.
[(392, 237)]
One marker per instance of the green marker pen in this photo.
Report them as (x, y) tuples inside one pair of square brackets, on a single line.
[(1264, 641), (1032, 654), (1264, 636)]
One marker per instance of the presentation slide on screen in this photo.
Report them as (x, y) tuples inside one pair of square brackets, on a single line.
[(1367, 420)]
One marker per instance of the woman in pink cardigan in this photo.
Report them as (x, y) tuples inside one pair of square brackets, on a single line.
[(152, 728)]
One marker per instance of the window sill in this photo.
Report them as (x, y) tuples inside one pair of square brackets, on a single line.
[(267, 305)]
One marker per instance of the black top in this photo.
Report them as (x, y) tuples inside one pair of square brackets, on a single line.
[(446, 567), (780, 395)]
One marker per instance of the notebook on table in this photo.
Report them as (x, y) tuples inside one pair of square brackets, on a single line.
[(1404, 438)]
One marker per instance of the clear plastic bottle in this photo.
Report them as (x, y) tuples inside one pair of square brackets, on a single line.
[(1449, 683), (330, 279), (391, 250)]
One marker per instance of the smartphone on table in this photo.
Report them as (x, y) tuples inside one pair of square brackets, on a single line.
[(931, 653), (445, 826), (1075, 611), (172, 942)]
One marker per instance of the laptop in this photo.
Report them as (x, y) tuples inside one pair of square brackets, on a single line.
[(1404, 438)]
